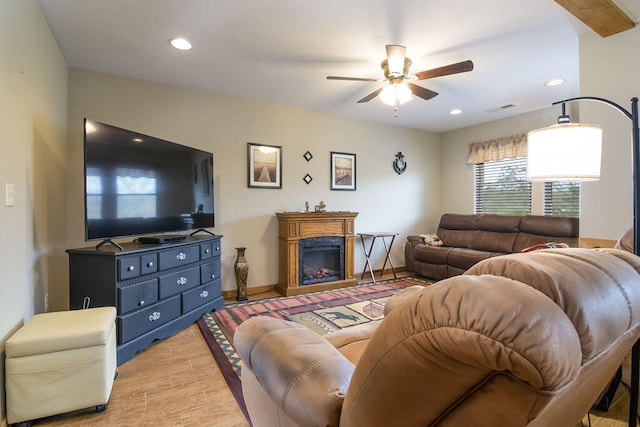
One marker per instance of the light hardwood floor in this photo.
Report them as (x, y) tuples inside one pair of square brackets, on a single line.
[(176, 382)]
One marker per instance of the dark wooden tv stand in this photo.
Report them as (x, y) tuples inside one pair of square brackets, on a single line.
[(157, 289)]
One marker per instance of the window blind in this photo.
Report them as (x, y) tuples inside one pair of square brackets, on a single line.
[(501, 187), (562, 198)]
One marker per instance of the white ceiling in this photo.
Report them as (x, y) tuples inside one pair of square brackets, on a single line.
[(282, 50)]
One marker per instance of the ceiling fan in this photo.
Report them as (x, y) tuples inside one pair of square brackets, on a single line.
[(398, 88)]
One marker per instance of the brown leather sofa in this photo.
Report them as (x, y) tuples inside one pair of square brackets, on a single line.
[(521, 339), (468, 239)]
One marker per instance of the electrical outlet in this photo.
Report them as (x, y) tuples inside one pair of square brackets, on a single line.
[(46, 302)]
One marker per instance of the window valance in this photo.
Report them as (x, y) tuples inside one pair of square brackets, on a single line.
[(505, 147)]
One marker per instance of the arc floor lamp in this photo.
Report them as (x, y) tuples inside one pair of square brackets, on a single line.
[(571, 151)]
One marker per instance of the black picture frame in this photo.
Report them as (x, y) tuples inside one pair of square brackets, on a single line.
[(343, 171), (264, 166)]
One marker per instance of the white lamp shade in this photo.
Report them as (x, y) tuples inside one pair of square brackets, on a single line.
[(395, 58), (564, 152)]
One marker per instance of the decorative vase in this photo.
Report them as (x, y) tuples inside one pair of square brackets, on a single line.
[(241, 268)]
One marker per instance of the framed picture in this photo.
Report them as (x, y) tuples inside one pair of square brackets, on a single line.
[(343, 171), (264, 165)]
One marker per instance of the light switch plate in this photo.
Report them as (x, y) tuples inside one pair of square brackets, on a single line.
[(10, 197)]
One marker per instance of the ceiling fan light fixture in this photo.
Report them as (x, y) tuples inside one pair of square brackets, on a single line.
[(404, 93), (395, 94)]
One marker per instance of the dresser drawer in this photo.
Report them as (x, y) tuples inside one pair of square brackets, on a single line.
[(179, 282), (128, 267), (137, 296), (142, 321), (200, 295), (206, 250), (210, 271), (176, 257), (148, 263), (209, 249)]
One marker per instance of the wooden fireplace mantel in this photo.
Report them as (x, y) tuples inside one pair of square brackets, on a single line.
[(303, 225)]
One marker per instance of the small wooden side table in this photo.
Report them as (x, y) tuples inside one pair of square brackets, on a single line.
[(367, 253)]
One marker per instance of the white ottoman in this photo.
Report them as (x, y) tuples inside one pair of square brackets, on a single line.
[(60, 362)]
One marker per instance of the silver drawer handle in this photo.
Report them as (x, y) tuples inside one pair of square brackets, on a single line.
[(206, 251), (181, 256), (131, 268), (217, 248), (204, 294), (141, 303), (213, 276), (150, 264), (154, 316), (182, 281)]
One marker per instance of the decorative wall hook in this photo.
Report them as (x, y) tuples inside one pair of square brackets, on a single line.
[(399, 165)]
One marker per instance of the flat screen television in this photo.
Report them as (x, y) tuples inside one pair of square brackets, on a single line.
[(136, 184)]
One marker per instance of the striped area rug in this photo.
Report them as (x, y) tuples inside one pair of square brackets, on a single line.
[(321, 312)]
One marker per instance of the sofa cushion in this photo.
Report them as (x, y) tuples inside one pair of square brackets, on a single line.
[(431, 254), (459, 221), (550, 225), (499, 223), (536, 230), (457, 230), (457, 238), (493, 241), (464, 259)]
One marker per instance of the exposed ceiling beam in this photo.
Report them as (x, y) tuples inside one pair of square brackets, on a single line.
[(602, 16)]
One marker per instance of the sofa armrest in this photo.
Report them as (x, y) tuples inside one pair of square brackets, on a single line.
[(410, 244), (303, 374), (415, 239)]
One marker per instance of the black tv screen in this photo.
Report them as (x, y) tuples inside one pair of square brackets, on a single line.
[(136, 184)]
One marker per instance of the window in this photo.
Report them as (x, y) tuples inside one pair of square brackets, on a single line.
[(121, 193), (136, 190), (562, 198), (94, 194), (501, 187)]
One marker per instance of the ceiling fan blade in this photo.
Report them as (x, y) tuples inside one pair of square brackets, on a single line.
[(357, 79), (422, 92), (459, 67), (370, 96)]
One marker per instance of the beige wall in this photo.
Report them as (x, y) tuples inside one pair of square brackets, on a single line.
[(245, 216), (33, 114), (609, 69)]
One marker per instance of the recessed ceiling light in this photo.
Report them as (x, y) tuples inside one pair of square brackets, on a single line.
[(554, 82), (180, 43), (455, 111)]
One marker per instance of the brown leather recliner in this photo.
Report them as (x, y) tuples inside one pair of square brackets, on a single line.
[(522, 339)]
